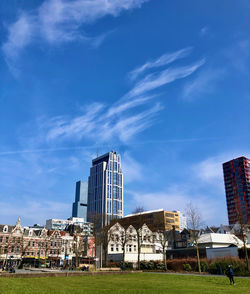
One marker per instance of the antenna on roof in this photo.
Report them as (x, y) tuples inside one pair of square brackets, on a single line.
[(97, 152)]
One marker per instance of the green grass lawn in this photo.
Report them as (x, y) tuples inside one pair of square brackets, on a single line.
[(127, 284)]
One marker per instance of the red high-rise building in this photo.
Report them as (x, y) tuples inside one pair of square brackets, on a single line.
[(237, 186)]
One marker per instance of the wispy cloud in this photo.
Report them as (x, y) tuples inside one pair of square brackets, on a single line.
[(156, 80), (133, 170), (60, 21), (204, 31), (239, 55), (204, 83), (130, 115), (96, 126), (176, 198), (165, 59)]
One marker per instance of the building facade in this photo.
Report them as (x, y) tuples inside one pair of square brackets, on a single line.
[(156, 220), (183, 221), (79, 208), (123, 244), (63, 224), (105, 188), (35, 246), (237, 188)]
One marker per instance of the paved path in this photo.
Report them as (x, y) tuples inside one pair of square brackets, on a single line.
[(194, 274)]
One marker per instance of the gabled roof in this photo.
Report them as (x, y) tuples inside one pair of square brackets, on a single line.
[(228, 239), (10, 228)]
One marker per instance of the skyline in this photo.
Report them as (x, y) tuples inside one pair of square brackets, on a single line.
[(164, 84)]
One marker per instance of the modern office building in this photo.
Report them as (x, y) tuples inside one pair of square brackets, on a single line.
[(105, 188), (159, 219), (63, 224), (237, 186), (79, 208), (183, 221)]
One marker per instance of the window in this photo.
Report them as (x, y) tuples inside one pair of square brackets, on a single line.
[(112, 247), (117, 247), (1, 239), (134, 247), (33, 244), (6, 239), (130, 248)]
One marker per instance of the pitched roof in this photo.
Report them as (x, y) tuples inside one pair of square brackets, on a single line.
[(220, 239)]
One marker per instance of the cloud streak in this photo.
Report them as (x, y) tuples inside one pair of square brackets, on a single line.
[(203, 84), (60, 21), (130, 115), (165, 59), (169, 75)]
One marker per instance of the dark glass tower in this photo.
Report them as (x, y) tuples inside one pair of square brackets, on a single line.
[(105, 188), (79, 208), (237, 186)]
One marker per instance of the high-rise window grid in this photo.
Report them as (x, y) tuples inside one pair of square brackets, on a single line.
[(105, 194)]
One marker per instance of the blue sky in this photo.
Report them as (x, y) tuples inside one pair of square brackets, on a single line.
[(165, 83)]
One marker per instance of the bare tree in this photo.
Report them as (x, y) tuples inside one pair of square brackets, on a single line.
[(78, 247), (139, 236), (194, 223), (243, 230), (104, 236), (124, 238), (96, 219), (163, 240)]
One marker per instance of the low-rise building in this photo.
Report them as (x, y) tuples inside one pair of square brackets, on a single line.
[(156, 220), (124, 243), (63, 224), (38, 245)]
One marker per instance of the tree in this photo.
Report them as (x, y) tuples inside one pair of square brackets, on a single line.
[(124, 238), (96, 220), (138, 229), (104, 237), (194, 223), (243, 230), (78, 247), (163, 240)]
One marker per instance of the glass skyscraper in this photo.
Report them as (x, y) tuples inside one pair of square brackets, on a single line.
[(105, 188), (79, 208), (237, 186)]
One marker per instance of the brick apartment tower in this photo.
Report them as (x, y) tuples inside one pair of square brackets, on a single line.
[(237, 186)]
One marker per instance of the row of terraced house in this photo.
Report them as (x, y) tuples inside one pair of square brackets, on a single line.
[(37, 246)]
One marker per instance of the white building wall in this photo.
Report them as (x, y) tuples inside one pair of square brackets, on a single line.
[(183, 221)]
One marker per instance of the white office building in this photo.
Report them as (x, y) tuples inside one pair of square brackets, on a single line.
[(183, 221), (105, 188)]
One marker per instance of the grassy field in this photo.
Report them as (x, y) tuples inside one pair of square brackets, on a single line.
[(128, 284)]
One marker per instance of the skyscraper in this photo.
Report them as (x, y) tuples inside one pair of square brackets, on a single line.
[(105, 188), (237, 186), (79, 208)]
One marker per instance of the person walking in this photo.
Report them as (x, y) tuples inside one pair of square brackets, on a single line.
[(230, 274)]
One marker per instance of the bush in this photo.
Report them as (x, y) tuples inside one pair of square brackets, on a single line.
[(126, 265), (219, 266), (204, 266), (187, 267), (160, 266)]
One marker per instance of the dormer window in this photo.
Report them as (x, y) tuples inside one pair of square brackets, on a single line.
[(5, 229)]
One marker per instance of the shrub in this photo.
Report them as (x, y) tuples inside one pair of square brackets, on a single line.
[(187, 267), (204, 266), (126, 265)]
